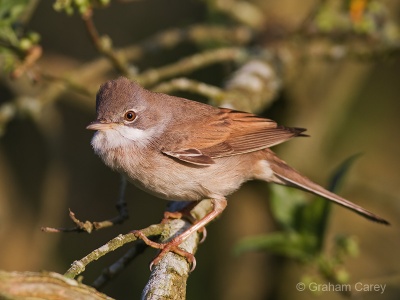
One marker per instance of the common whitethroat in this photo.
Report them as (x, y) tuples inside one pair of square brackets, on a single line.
[(182, 150)]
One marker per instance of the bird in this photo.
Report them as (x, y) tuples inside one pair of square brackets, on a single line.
[(183, 150)]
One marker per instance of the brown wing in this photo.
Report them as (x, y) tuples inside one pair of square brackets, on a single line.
[(228, 133)]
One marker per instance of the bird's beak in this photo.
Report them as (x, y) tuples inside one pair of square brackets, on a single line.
[(97, 125)]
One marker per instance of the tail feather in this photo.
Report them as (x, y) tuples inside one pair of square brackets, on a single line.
[(290, 177)]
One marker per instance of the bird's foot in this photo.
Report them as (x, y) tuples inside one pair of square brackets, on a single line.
[(219, 205), (171, 246)]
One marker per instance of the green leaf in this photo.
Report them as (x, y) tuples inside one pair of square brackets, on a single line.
[(11, 11), (340, 172), (282, 243), (285, 205)]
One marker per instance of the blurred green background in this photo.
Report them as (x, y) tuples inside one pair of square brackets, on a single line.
[(349, 106)]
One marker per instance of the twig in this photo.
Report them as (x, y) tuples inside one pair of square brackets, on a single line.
[(104, 44), (70, 84), (88, 226), (81, 226), (30, 58), (79, 266), (198, 34), (191, 63), (116, 268), (121, 206), (174, 266)]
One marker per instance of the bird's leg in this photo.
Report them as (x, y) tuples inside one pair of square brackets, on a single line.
[(185, 213), (182, 213), (173, 245)]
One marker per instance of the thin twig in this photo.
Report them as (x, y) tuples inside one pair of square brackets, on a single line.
[(88, 226), (121, 206), (191, 63), (79, 266), (30, 58), (198, 34), (112, 271), (104, 44)]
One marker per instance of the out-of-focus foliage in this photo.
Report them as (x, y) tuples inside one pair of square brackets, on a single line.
[(15, 40), (304, 228), (82, 6)]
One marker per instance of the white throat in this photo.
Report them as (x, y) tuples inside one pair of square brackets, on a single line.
[(121, 136)]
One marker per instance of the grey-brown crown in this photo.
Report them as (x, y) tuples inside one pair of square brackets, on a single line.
[(115, 96)]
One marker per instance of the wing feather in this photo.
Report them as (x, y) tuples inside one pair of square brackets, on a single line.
[(227, 133)]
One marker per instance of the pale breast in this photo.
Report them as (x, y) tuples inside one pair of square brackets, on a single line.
[(168, 178)]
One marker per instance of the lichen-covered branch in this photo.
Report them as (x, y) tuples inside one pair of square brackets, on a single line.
[(44, 286), (185, 84), (168, 278), (79, 266), (113, 270), (253, 87), (190, 64)]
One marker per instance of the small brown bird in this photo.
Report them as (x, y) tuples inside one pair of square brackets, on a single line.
[(182, 150)]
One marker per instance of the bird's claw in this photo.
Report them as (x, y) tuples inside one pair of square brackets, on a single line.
[(171, 246)]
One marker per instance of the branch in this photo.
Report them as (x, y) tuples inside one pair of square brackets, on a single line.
[(168, 278), (253, 87), (199, 34), (44, 285), (104, 44), (191, 63), (8, 110), (112, 271), (30, 58), (79, 266), (189, 85)]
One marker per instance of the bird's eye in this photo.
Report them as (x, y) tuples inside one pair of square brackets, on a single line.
[(129, 116)]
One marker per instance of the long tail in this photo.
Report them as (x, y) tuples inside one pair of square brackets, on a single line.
[(290, 177)]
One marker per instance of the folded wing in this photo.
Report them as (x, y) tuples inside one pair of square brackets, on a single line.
[(227, 133)]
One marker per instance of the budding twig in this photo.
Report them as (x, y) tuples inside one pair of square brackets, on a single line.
[(104, 44)]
